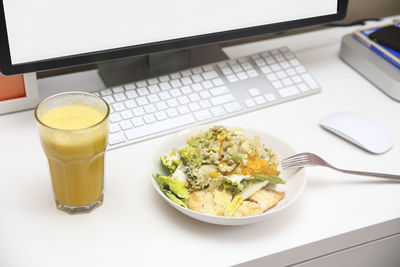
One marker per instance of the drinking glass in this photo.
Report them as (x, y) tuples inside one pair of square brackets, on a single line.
[(75, 155)]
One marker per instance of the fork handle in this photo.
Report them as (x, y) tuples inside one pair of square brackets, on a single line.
[(373, 174)]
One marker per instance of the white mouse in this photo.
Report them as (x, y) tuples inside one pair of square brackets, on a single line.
[(358, 130)]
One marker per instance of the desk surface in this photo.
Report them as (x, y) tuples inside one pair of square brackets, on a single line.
[(136, 227)]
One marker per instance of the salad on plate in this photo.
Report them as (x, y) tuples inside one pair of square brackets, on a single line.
[(222, 172)]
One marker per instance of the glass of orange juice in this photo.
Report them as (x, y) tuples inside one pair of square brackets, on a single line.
[(73, 130)]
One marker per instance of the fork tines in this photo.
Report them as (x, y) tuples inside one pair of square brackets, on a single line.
[(298, 160)]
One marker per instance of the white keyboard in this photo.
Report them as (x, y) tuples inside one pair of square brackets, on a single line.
[(161, 105)]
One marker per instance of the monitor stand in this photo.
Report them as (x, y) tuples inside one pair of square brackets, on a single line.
[(123, 71)]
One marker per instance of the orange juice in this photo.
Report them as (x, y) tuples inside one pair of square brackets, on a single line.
[(74, 139)]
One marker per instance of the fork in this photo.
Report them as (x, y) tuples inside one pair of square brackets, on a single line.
[(310, 159)]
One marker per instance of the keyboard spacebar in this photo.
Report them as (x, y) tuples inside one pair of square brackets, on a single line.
[(159, 126)]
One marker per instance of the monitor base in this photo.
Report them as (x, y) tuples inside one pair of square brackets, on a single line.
[(124, 71)]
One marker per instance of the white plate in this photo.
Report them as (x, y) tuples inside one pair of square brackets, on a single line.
[(295, 179)]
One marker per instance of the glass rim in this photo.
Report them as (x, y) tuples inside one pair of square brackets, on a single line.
[(72, 93)]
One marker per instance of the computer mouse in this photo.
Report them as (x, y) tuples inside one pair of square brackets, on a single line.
[(359, 131)]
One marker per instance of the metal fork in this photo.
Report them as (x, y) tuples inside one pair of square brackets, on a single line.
[(310, 159)]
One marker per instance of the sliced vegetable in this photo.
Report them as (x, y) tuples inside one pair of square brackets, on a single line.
[(272, 179), (173, 189), (252, 188), (171, 161), (231, 185), (235, 203)]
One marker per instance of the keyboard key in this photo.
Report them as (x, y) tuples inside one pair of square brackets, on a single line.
[(254, 92), (208, 68), (210, 75), (175, 76), (125, 125), (165, 86), (150, 108), (176, 83), (164, 78), (218, 100), (130, 86), (118, 107), (207, 84), (197, 87), (281, 74), (119, 97), (194, 97), (259, 100), (150, 118), (142, 101), (232, 78), (232, 107), (118, 89), (127, 114), (296, 79), (300, 69), (289, 91), (137, 122), (142, 91), (266, 69), (291, 71), (172, 112), (236, 68), (164, 95), (260, 62), (186, 73), (131, 94), (152, 81), (153, 98), (116, 138), (154, 88), (249, 102), (287, 82), (226, 70), (183, 100), (242, 75), (197, 78), (275, 67), (277, 84), (186, 90), (115, 117), (109, 99), (183, 109), (285, 65), (205, 94), (197, 70), (218, 111), (270, 97), (247, 66), (272, 77), (172, 102), (114, 127), (161, 105), (219, 90), (160, 126), (161, 115), (218, 82), (175, 92), (141, 84), (205, 103), (310, 81), (252, 73), (139, 111), (303, 87), (186, 81), (194, 106), (202, 115), (294, 62), (105, 92)]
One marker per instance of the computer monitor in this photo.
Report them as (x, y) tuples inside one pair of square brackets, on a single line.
[(45, 34)]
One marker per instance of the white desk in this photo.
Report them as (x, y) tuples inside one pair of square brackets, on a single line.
[(337, 213)]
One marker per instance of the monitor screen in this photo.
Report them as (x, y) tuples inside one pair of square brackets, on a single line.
[(45, 34)]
